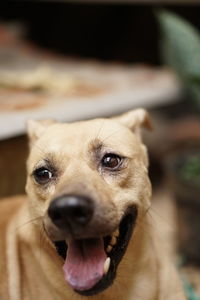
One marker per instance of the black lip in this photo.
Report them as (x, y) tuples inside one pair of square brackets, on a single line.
[(125, 232)]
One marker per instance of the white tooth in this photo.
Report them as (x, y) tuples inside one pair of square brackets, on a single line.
[(106, 265), (113, 240), (109, 248)]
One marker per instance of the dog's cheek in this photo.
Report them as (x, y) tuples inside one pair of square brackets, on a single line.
[(118, 179), (41, 192), (38, 197), (134, 190)]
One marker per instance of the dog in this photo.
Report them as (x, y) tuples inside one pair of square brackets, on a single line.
[(83, 231)]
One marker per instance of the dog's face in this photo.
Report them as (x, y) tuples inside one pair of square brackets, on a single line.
[(88, 182)]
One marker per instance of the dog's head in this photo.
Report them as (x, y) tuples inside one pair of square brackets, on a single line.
[(88, 181)]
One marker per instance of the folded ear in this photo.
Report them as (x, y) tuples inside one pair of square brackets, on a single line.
[(135, 119), (36, 128)]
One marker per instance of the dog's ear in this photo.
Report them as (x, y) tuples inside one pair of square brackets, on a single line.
[(135, 119), (36, 128)]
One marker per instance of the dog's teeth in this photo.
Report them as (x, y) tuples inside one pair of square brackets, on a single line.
[(106, 265), (109, 248), (116, 233), (113, 240)]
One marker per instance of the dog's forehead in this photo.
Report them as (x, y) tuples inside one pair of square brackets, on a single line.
[(78, 136)]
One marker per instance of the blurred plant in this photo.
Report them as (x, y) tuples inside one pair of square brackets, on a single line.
[(180, 48), (189, 171)]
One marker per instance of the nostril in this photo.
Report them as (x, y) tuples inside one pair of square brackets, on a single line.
[(80, 214), (55, 215)]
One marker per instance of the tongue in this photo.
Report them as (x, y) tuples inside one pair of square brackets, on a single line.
[(84, 265)]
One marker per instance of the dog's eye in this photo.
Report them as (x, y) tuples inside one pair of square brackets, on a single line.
[(111, 161), (42, 175)]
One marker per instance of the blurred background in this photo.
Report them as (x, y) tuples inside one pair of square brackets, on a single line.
[(72, 60)]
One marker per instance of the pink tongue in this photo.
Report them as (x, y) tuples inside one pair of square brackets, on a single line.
[(84, 264)]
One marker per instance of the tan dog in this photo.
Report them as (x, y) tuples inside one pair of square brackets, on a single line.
[(85, 231)]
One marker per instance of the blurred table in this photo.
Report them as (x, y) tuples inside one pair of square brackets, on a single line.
[(37, 84)]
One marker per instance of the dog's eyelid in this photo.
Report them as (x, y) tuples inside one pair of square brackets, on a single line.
[(122, 156), (45, 163)]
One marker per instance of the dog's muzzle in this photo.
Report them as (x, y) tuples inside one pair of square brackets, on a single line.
[(90, 262)]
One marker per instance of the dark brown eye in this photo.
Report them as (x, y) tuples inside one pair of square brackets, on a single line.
[(111, 161), (42, 175)]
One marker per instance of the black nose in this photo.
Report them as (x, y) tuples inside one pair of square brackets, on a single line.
[(71, 210)]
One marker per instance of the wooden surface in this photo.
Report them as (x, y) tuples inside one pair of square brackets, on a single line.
[(13, 153)]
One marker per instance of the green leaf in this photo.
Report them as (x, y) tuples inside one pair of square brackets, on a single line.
[(180, 48)]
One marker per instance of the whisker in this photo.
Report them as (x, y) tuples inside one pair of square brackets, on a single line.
[(116, 131), (99, 131), (41, 241), (41, 150), (153, 210), (29, 222)]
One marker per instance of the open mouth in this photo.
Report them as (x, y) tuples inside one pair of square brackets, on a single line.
[(91, 264)]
